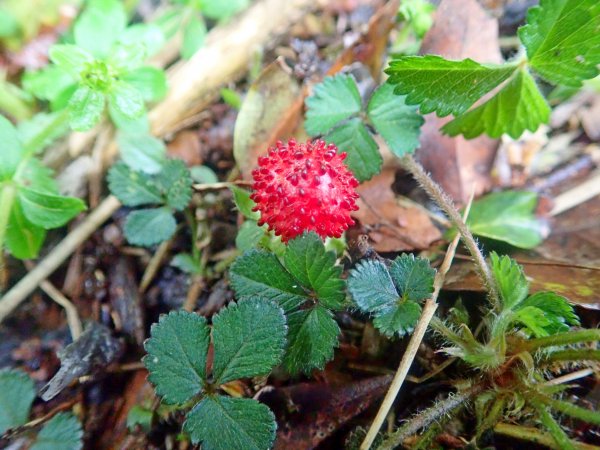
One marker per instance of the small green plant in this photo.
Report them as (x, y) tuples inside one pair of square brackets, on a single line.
[(17, 392), (29, 200), (167, 192), (561, 42), (248, 339)]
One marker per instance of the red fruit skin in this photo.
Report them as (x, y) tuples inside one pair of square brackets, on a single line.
[(304, 187)]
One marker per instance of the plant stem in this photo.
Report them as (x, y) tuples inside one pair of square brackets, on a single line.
[(7, 198), (575, 354), (570, 337), (536, 436), (441, 198), (560, 437), (568, 408)]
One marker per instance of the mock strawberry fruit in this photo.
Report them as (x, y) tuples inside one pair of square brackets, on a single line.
[(304, 187)]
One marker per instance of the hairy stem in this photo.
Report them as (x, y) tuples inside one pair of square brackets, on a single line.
[(569, 337), (575, 354), (441, 198), (534, 435), (560, 437), (568, 408)]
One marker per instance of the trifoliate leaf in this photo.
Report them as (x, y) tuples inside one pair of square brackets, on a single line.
[(176, 182), (312, 338), (46, 210), (519, 106), (562, 40), (11, 153), (400, 320), (413, 277), (507, 216), (510, 278), (62, 432), (69, 58), (559, 314), (148, 227), (176, 358), (372, 287), (133, 188), (16, 396), (335, 99), (308, 261), (353, 138), (244, 203), (224, 423), (398, 124), (149, 81), (260, 274), (442, 86), (127, 100), (249, 339), (142, 152), (194, 34), (100, 26), (85, 108), (534, 319), (218, 9), (249, 235), (23, 238)]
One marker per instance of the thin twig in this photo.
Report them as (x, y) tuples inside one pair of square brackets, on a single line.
[(569, 377), (447, 205), (154, 265), (73, 319), (415, 341)]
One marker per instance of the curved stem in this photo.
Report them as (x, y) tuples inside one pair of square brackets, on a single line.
[(570, 337)]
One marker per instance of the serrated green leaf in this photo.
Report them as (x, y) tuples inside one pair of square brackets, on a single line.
[(12, 149), (146, 227), (85, 108), (398, 124), (100, 26), (23, 238), (557, 311), (194, 34), (517, 107), (148, 34), (334, 100), (308, 261), (46, 210), (413, 277), (142, 152), (176, 182), (534, 319), (353, 138), (224, 423), (69, 58), (186, 263), (176, 358), (249, 339), (244, 203), (134, 126), (372, 287), (219, 10), (399, 321), (312, 337), (249, 235), (62, 432), (48, 83), (259, 273), (17, 392), (562, 40), (507, 216), (132, 188), (149, 81), (127, 100), (35, 175), (443, 86), (511, 280)]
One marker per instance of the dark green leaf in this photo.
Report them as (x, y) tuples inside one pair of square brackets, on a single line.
[(46, 210), (517, 107), (100, 26), (69, 58), (133, 188), (511, 280), (127, 100), (372, 287), (363, 154), (194, 34), (249, 339), (244, 203), (149, 81), (307, 260), (176, 182), (16, 396), (23, 238), (62, 432), (85, 108), (148, 227), (224, 423), (556, 310), (507, 216), (400, 320), (176, 358), (563, 41), (11, 152), (312, 338), (218, 9), (335, 99), (398, 124), (142, 152), (260, 274), (442, 86), (413, 277)]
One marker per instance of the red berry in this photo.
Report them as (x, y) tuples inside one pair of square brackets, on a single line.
[(304, 187)]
